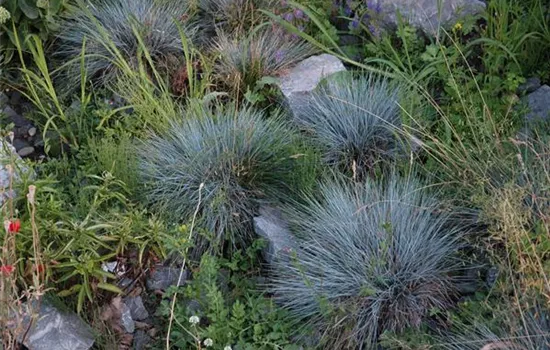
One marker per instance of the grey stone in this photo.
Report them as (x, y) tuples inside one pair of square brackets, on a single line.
[(26, 151), (428, 15), (22, 147), (10, 158), (56, 329), (137, 309), (141, 340), (3, 99), (19, 143), (538, 103), (15, 98), (31, 131), (280, 241), (14, 117), (193, 307), (529, 86), (126, 319), (125, 282), (298, 83), (164, 276)]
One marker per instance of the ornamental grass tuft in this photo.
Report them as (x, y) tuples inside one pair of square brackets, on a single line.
[(115, 30), (355, 120), (242, 159), (374, 257)]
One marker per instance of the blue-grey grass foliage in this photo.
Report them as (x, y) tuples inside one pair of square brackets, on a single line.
[(265, 52), (374, 257), (527, 330), (241, 158), (108, 26), (355, 119)]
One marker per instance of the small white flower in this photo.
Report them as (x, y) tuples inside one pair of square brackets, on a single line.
[(194, 319), (228, 348), (208, 342)]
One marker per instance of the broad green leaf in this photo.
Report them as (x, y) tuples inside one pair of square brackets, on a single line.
[(29, 9)]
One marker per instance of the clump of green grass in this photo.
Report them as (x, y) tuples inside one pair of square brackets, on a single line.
[(236, 17), (267, 52), (114, 154)]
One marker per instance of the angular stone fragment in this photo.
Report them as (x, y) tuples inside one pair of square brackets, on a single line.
[(57, 329), (298, 83), (270, 225)]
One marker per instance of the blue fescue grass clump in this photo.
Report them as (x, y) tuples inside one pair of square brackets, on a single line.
[(115, 29), (355, 119), (374, 257), (241, 158)]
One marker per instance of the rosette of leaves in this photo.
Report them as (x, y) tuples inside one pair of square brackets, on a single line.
[(374, 257), (355, 120), (116, 30), (239, 157)]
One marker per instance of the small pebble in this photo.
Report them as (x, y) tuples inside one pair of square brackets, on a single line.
[(26, 151)]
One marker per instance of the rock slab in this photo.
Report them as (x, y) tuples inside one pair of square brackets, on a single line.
[(136, 307), (271, 226), (164, 277), (298, 83), (427, 15), (538, 103), (60, 330)]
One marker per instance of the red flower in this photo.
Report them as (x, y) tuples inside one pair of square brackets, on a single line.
[(15, 226), (7, 270)]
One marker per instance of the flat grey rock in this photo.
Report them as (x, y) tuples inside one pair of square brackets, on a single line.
[(529, 86), (270, 225), (126, 319), (17, 119), (164, 277), (59, 330), (137, 309), (3, 99), (427, 14), (538, 103), (141, 340), (298, 83)]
